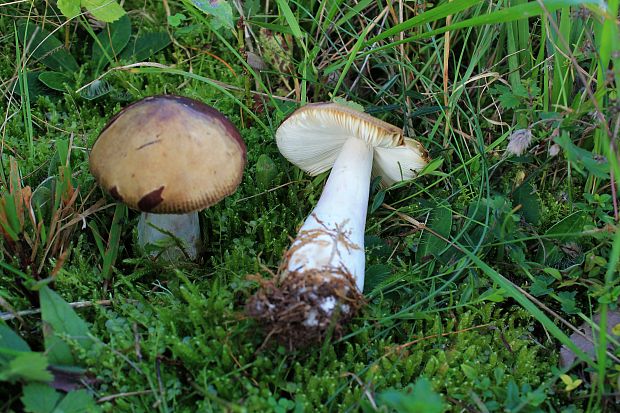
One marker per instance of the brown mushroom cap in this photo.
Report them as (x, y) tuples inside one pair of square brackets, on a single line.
[(168, 154)]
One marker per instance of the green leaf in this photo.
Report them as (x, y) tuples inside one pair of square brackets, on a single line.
[(176, 19), (422, 19), (512, 291), (567, 299), (421, 398), (541, 284), (348, 103), (526, 196), (431, 167), (496, 295), (70, 8), (290, 18), (35, 87), (105, 10), (266, 172), (30, 366), (40, 398), (55, 80), (581, 158), (77, 401), (219, 9), (60, 318), (469, 371), (11, 340), (46, 48), (567, 229), (440, 223), (145, 45), (377, 201), (111, 42), (507, 99), (375, 276)]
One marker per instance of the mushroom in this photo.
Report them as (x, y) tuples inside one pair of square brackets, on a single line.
[(169, 157), (323, 272)]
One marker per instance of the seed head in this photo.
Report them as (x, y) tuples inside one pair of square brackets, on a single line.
[(519, 141)]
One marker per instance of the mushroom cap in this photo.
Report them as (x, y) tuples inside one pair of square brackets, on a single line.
[(313, 135), (168, 154)]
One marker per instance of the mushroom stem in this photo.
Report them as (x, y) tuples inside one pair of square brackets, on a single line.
[(339, 218), (157, 228), (323, 271)]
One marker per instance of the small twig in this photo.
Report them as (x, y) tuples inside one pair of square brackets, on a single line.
[(270, 190), (164, 67), (77, 304), (125, 394), (160, 383), (363, 386), (136, 342), (410, 343), (420, 225)]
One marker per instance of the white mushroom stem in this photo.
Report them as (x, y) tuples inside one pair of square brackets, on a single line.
[(156, 229), (339, 218)]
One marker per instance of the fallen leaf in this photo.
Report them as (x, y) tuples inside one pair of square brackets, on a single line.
[(568, 357)]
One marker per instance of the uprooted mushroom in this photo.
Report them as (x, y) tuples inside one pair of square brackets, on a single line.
[(321, 279)]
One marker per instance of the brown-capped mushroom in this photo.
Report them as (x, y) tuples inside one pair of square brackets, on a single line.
[(169, 157)]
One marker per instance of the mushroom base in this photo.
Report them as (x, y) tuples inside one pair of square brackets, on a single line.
[(305, 307), (171, 237)]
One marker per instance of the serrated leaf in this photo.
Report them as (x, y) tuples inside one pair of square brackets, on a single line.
[(145, 45), (55, 80), (349, 103), (105, 10), (61, 319), (111, 42), (540, 286), (567, 299), (70, 8), (29, 366), (40, 398), (46, 48), (507, 99), (219, 9)]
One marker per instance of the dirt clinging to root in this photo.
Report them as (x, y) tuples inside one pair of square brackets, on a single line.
[(284, 305)]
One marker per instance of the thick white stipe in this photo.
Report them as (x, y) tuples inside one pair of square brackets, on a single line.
[(185, 227), (341, 211)]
